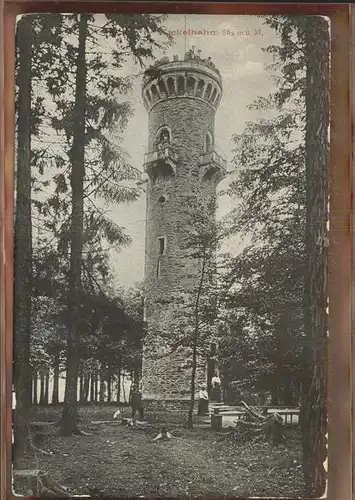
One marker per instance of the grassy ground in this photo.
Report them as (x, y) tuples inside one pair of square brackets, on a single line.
[(120, 461)]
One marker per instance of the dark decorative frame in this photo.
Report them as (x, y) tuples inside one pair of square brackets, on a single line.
[(341, 359)]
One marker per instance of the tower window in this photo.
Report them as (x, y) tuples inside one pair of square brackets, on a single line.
[(158, 268), (181, 85), (200, 87), (164, 136), (171, 86), (155, 95), (208, 91), (148, 96), (190, 85), (162, 245), (208, 142), (213, 97), (213, 349), (162, 88)]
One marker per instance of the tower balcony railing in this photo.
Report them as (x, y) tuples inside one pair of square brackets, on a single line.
[(165, 153), (213, 158)]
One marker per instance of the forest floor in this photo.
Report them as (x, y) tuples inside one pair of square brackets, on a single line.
[(119, 461)]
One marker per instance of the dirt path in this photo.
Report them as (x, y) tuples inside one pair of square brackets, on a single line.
[(180, 466), (119, 461)]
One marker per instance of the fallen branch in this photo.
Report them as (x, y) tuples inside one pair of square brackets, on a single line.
[(42, 424), (84, 433), (259, 427), (106, 422), (270, 428), (253, 413)]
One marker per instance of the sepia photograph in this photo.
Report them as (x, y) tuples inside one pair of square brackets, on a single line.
[(171, 255)]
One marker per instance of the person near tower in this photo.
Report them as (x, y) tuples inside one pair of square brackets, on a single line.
[(136, 403), (190, 54), (203, 400), (216, 388)]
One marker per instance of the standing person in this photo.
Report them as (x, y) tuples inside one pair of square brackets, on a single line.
[(216, 388), (203, 400), (261, 403), (136, 403)]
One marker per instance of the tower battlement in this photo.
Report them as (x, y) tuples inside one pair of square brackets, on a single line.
[(192, 76)]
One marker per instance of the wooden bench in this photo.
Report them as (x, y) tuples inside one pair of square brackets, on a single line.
[(288, 414)]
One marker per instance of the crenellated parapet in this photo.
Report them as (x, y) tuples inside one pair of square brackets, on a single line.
[(193, 77)]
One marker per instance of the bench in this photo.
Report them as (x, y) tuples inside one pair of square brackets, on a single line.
[(289, 414)]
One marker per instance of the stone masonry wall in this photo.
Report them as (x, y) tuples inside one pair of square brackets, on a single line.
[(166, 374)]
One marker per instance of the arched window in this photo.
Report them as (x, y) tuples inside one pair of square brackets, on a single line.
[(208, 142), (208, 91), (163, 137), (190, 85), (148, 96), (181, 85), (200, 87), (155, 95), (213, 97), (171, 86), (162, 88)]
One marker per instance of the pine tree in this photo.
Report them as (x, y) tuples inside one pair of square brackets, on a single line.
[(97, 167), (283, 180), (77, 157), (314, 409), (31, 36), (23, 239)]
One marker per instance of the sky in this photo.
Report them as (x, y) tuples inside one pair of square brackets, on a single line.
[(236, 48)]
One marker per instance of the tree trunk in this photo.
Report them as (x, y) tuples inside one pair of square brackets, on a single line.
[(124, 389), (102, 390), (46, 388), (118, 386), (313, 411), (194, 346), (42, 387), (23, 241), (96, 383), (287, 394), (70, 415), (34, 390), (81, 386), (92, 387), (55, 393), (274, 397), (136, 376), (86, 387), (193, 381), (109, 384)]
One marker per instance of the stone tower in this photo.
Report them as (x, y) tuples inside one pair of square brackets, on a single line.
[(181, 97)]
